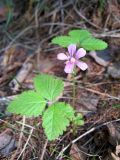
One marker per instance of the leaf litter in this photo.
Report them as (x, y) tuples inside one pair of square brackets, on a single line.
[(98, 108)]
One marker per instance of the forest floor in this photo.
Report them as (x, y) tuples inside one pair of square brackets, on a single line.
[(26, 30)]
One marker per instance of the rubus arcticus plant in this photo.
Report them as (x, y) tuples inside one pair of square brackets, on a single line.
[(56, 116), (44, 99)]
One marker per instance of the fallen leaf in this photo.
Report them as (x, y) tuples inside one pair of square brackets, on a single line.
[(114, 134), (21, 76), (76, 153), (86, 102), (114, 70)]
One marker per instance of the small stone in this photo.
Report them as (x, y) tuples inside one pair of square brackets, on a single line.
[(9, 148), (114, 70), (7, 142), (3, 106), (102, 57)]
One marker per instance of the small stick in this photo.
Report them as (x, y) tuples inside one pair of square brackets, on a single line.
[(93, 91), (62, 10), (44, 149), (21, 76), (53, 20), (103, 94), (84, 18), (25, 144), (20, 139), (84, 134)]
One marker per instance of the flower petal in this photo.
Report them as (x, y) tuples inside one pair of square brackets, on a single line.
[(83, 66), (69, 67), (62, 56), (72, 49), (80, 53)]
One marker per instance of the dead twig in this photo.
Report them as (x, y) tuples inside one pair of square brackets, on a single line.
[(19, 35), (25, 144), (53, 20), (85, 19), (62, 10), (21, 76), (85, 134), (44, 150), (69, 83), (20, 139), (102, 94)]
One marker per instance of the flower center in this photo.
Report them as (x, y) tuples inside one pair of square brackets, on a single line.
[(72, 60)]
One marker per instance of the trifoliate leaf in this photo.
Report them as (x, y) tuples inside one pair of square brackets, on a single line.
[(48, 86), (80, 34), (28, 103), (93, 44), (65, 41), (56, 118)]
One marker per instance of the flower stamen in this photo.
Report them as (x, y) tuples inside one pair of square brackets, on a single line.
[(72, 60)]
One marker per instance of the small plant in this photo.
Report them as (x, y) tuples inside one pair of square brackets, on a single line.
[(43, 100), (82, 39), (56, 116)]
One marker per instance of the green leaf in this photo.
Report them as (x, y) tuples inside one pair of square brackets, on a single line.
[(65, 41), (9, 18), (48, 86), (80, 34), (9, 14), (78, 120), (28, 103), (56, 118), (93, 44), (116, 106)]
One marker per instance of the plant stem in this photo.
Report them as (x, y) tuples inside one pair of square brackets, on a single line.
[(74, 88)]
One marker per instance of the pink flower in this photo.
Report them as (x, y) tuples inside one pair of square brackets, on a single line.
[(72, 58)]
